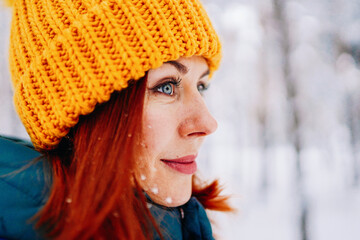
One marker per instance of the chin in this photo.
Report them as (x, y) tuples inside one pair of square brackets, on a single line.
[(172, 197), (178, 201)]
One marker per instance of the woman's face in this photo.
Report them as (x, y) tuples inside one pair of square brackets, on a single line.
[(175, 122)]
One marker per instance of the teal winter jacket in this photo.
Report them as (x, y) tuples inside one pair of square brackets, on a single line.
[(23, 191)]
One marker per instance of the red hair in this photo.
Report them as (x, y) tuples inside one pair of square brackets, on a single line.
[(94, 193)]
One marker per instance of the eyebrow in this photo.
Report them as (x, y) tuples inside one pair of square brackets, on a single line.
[(184, 70), (205, 73), (180, 67)]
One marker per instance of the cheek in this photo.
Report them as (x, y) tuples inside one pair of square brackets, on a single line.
[(161, 140), (155, 143), (159, 132)]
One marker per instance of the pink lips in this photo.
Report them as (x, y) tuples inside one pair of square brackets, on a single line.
[(185, 164)]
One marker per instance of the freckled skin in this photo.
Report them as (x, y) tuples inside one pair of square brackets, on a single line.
[(174, 126)]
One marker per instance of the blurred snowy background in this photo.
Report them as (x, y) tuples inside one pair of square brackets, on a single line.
[(287, 100)]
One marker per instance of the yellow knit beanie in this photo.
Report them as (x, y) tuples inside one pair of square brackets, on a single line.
[(68, 55)]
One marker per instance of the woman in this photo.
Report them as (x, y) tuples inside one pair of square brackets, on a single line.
[(110, 93)]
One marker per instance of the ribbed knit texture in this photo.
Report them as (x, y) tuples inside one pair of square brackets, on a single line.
[(66, 56)]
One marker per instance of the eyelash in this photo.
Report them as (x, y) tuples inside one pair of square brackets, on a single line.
[(175, 82)]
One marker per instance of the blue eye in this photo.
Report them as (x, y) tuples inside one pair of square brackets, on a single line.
[(167, 88), (202, 87)]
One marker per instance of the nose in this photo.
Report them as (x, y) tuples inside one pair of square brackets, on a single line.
[(197, 120)]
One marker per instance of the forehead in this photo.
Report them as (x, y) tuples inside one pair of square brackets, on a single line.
[(183, 65)]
